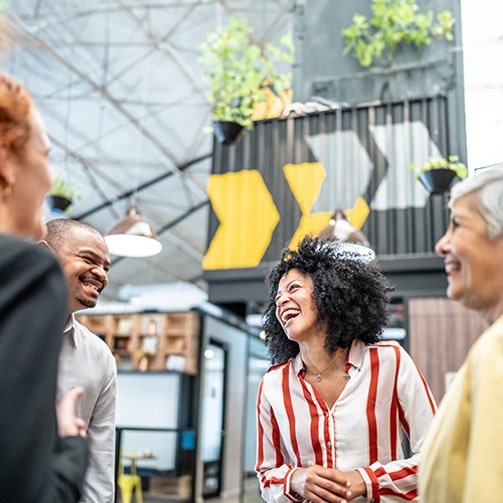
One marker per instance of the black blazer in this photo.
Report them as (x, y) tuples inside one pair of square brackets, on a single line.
[(35, 466)]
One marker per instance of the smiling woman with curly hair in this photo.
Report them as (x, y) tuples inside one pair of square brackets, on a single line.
[(332, 408), (351, 296)]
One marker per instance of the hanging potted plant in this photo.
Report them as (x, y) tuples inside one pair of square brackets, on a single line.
[(394, 23), (62, 195), (240, 75), (437, 174)]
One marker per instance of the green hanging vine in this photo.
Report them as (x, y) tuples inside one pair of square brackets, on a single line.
[(394, 22)]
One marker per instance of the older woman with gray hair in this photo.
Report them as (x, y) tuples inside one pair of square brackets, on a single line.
[(332, 408), (462, 459)]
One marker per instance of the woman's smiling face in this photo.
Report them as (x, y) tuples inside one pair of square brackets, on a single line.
[(473, 261), (295, 307)]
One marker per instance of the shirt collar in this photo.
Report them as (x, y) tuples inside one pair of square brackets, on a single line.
[(69, 330), (298, 365), (356, 353), (354, 358)]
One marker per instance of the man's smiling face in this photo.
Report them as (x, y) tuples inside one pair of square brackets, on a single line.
[(85, 260)]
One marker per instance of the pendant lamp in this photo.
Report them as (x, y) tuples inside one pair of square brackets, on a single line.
[(133, 237)]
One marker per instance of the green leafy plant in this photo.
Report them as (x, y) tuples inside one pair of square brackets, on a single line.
[(394, 22), (63, 188), (238, 68), (452, 162)]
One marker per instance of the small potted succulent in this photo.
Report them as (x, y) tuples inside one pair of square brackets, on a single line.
[(62, 195), (438, 173)]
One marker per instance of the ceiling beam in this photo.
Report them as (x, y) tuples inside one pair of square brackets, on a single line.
[(163, 46), (101, 90), (139, 188)]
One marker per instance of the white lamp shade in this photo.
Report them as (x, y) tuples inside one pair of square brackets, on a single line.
[(133, 237)]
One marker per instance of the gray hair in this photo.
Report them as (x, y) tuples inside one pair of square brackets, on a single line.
[(489, 189)]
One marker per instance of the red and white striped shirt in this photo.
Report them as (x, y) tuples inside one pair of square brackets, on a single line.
[(361, 432)]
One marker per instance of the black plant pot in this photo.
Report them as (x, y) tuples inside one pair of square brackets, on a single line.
[(58, 204), (228, 133), (438, 181)]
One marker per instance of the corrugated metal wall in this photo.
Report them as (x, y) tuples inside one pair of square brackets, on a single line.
[(365, 151)]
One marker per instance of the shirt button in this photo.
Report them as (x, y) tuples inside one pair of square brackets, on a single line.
[(329, 445)]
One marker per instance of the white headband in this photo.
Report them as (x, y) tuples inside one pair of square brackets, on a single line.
[(348, 251)]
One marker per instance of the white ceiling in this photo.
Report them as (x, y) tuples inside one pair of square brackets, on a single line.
[(120, 87)]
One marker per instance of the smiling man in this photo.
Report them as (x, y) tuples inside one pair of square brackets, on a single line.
[(85, 360)]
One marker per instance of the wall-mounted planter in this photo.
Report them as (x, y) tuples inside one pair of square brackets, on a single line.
[(438, 181), (58, 204), (228, 133)]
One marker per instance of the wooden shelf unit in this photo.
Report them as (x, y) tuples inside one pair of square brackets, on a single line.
[(169, 341)]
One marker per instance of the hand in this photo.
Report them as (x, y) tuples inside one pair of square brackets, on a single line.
[(327, 485), (69, 425), (357, 484)]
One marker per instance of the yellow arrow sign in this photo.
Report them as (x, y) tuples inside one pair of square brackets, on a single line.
[(305, 182), (248, 217)]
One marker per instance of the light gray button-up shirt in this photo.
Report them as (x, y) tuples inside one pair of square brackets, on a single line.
[(86, 361)]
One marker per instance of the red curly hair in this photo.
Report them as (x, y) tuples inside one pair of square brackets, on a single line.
[(15, 108)]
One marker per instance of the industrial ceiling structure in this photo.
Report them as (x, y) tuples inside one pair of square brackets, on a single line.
[(120, 86)]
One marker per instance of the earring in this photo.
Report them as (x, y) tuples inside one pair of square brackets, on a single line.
[(7, 190)]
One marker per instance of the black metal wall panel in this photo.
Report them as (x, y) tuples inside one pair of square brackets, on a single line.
[(366, 152)]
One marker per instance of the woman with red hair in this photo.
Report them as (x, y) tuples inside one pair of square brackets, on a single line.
[(43, 459)]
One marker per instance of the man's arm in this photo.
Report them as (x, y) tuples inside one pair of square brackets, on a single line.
[(100, 479)]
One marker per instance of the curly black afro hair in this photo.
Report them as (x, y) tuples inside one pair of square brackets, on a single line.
[(350, 293)]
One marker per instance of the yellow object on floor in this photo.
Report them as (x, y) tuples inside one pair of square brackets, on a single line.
[(129, 482)]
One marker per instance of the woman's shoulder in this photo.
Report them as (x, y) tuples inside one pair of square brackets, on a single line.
[(490, 342), (9, 243), (25, 264), (278, 366), (274, 377), (391, 349), (16, 248), (277, 369), (387, 343)]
